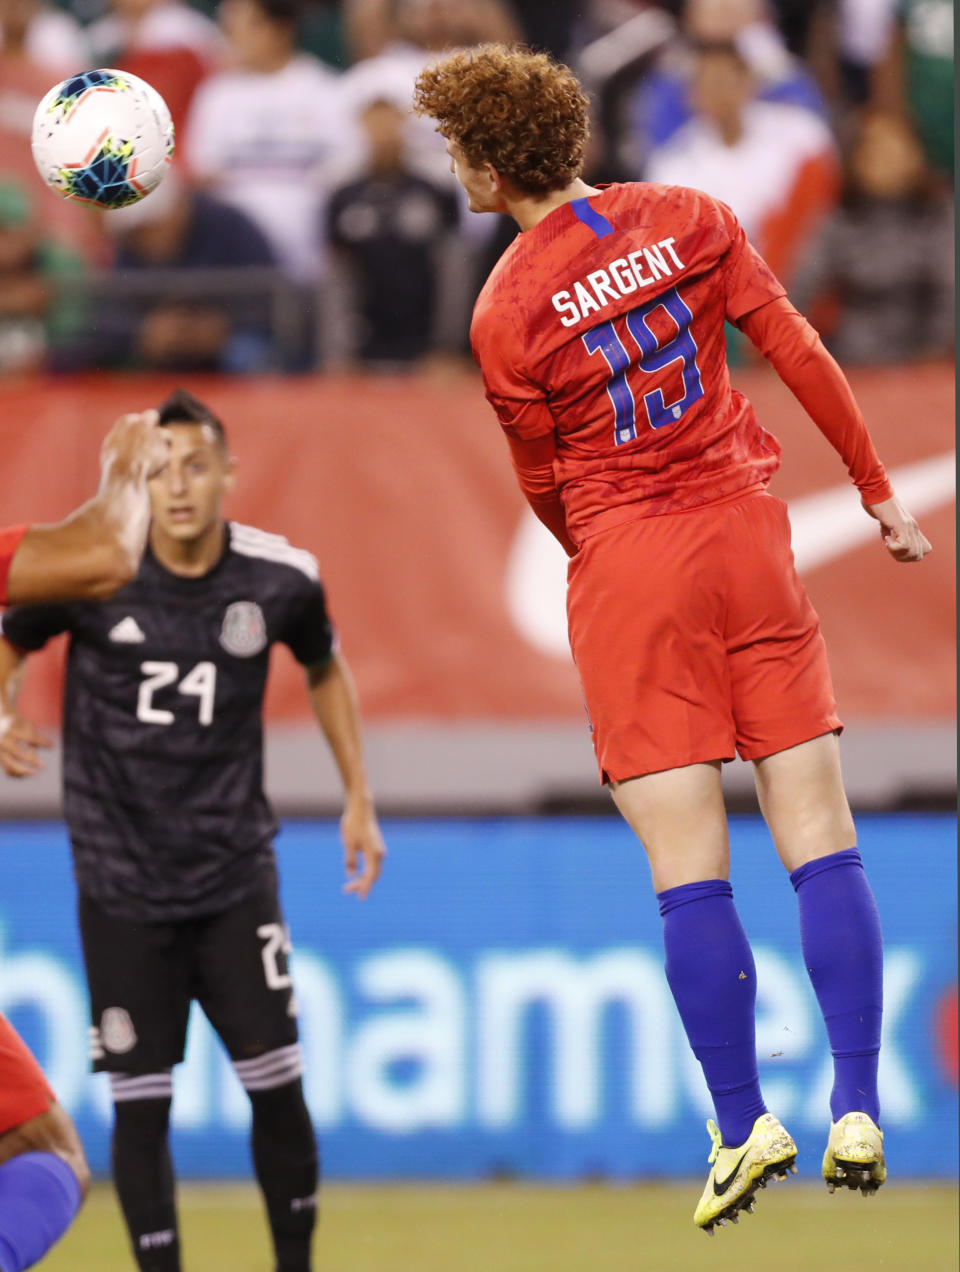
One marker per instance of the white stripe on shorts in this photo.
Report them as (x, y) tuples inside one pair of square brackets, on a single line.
[(272, 1069), (146, 1086)]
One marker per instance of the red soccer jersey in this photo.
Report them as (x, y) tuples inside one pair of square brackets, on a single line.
[(604, 323), (9, 539)]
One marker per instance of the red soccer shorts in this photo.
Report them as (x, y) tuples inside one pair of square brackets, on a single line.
[(24, 1092), (694, 639)]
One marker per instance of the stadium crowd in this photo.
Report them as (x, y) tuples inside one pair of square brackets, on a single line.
[(311, 220)]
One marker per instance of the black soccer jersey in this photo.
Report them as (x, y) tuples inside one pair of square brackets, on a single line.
[(163, 734)]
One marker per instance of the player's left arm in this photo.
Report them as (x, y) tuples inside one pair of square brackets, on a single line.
[(757, 303), (797, 354), (334, 702)]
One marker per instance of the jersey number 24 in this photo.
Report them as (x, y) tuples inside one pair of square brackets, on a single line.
[(651, 356), (200, 683)]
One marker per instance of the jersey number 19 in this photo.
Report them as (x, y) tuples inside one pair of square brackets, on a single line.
[(653, 356)]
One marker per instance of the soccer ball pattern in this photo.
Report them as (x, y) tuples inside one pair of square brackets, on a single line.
[(102, 137)]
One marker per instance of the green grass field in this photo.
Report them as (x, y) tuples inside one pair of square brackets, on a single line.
[(526, 1228)]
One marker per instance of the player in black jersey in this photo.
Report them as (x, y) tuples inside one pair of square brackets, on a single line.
[(92, 553), (172, 833)]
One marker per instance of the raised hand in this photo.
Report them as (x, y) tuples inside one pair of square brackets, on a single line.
[(134, 447)]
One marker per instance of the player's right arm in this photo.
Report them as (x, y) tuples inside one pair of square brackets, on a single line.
[(96, 550), (19, 738)]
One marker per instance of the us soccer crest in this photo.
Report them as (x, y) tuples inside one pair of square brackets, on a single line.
[(244, 630)]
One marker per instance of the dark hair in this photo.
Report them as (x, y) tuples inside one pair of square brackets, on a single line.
[(182, 407)]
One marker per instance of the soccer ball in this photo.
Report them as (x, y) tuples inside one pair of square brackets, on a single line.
[(102, 137)]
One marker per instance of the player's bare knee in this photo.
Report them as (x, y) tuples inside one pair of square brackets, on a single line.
[(812, 833), (63, 1140), (77, 1161), (66, 1144), (49, 1132)]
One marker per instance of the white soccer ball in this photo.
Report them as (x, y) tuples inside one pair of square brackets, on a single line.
[(102, 137)]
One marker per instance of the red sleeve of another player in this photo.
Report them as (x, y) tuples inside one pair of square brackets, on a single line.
[(521, 405), (9, 541), (796, 353)]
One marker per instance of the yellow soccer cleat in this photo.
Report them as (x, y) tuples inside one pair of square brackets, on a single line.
[(737, 1173), (854, 1156)]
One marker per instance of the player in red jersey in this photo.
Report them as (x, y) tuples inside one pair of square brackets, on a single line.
[(600, 335), (92, 553)]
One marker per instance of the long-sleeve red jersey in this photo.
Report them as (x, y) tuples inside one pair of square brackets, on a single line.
[(602, 327)]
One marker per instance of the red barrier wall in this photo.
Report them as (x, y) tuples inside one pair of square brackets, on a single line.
[(403, 489)]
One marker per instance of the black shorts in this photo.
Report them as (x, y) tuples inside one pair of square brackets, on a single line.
[(143, 977)]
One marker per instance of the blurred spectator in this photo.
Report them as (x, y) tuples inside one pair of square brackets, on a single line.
[(40, 313), (45, 36), (773, 163), (623, 47), (265, 136), (23, 81), (662, 103), (388, 227), (321, 32), (396, 38), (134, 25), (177, 229), (796, 20), (840, 40), (916, 76), (165, 42), (373, 26), (861, 31), (548, 24), (879, 278)]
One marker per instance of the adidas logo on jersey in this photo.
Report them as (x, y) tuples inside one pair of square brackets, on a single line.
[(127, 632)]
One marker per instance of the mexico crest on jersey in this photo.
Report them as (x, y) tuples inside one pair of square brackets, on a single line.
[(244, 630), (116, 1031)]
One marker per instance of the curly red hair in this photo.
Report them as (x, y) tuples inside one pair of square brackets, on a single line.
[(519, 111)]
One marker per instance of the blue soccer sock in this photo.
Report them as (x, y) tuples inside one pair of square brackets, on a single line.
[(843, 951), (712, 976), (39, 1197)]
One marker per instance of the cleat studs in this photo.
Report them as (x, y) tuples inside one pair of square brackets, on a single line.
[(734, 1218), (750, 1207), (831, 1186), (793, 1170)]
